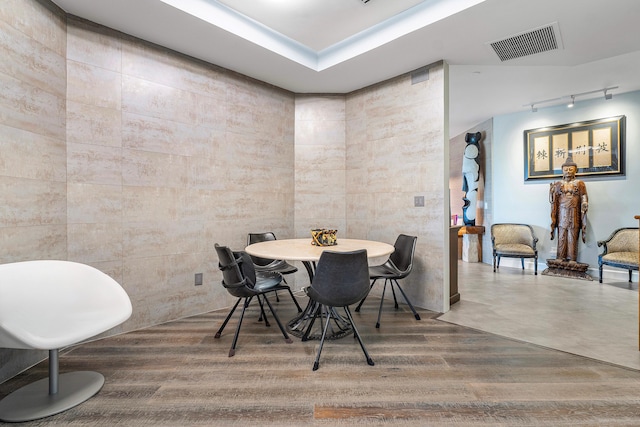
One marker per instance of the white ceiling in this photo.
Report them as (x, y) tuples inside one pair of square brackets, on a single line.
[(337, 46)]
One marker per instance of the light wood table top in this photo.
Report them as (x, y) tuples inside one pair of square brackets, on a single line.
[(303, 250)]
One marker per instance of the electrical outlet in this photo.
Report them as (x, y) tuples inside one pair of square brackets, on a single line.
[(418, 201), (198, 280)]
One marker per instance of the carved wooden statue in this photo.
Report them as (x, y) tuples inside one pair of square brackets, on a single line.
[(569, 205)]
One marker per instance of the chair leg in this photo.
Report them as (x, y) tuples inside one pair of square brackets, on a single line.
[(395, 300), (295, 301), (232, 351), (316, 363), (535, 268), (381, 302), (600, 272), (217, 335), (263, 315), (630, 272), (494, 262), (498, 265), (415, 313), (362, 302), (522, 262), (357, 335), (275, 316)]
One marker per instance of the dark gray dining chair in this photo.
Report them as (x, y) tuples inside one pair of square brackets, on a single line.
[(267, 264), (241, 281), (341, 279), (398, 266)]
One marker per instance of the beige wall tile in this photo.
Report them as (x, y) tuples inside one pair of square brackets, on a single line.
[(147, 98), (29, 155), (92, 45), (31, 108), (94, 203), (31, 62), (33, 242), (94, 164), (22, 195), (89, 124), (82, 87), (145, 168), (37, 20), (95, 243)]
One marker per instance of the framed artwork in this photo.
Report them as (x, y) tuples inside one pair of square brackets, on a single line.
[(596, 146)]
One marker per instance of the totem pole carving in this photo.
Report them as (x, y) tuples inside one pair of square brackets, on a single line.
[(471, 177)]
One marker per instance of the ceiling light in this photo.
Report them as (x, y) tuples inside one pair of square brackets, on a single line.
[(556, 101)]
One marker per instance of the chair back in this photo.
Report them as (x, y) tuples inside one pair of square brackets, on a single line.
[(260, 237), (510, 234), (402, 256), (238, 273), (341, 278), (623, 240)]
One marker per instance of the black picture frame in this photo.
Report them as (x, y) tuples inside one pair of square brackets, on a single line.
[(597, 146)]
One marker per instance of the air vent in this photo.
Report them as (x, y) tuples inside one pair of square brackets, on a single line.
[(419, 75), (539, 40)]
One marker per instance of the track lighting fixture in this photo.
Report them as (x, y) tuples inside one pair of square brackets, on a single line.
[(572, 98)]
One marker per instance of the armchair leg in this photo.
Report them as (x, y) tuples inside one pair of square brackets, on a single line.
[(535, 268), (630, 272), (494, 263), (600, 272), (522, 262)]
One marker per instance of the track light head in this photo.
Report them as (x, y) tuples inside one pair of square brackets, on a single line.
[(533, 108), (573, 101), (607, 95)]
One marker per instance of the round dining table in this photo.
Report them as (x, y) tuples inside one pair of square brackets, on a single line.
[(303, 250)]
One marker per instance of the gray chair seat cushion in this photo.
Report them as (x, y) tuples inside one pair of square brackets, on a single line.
[(514, 249), (629, 258)]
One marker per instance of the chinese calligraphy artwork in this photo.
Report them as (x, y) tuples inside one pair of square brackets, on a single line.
[(596, 146)]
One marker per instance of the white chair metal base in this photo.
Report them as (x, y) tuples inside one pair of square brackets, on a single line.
[(50, 305), (35, 401)]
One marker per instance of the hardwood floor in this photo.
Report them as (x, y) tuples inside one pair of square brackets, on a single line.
[(426, 372)]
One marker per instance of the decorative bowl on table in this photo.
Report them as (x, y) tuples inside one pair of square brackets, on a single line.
[(324, 237)]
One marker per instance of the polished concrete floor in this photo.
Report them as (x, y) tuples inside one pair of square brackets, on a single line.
[(585, 318)]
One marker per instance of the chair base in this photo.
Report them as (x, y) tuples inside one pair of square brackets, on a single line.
[(33, 401)]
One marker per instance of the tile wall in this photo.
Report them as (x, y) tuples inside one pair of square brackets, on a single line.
[(134, 159)]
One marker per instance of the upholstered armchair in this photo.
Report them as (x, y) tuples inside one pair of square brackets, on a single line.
[(514, 241), (620, 250)]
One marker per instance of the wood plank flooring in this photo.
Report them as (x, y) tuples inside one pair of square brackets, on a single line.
[(426, 373)]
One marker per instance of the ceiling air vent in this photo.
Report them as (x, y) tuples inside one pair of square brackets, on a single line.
[(530, 42)]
